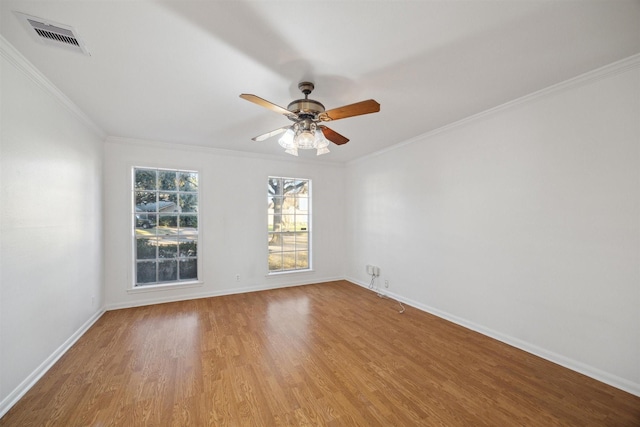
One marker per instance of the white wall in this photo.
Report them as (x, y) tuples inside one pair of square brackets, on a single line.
[(522, 223), (233, 197), (50, 225)]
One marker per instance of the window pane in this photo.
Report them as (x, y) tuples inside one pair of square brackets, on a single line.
[(289, 203), (302, 223), (145, 221), (275, 242), (188, 234), (167, 271), (302, 206), (275, 204), (288, 186), (188, 203), (168, 221), (188, 248), (288, 223), (145, 232), (277, 222), (146, 272), (274, 186), (167, 248), (302, 241), (188, 269), (302, 259), (145, 179), (189, 222), (144, 199), (167, 180), (146, 248), (167, 202), (288, 241), (188, 181), (288, 260), (275, 261)]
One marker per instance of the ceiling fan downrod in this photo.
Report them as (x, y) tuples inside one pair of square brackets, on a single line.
[(306, 88)]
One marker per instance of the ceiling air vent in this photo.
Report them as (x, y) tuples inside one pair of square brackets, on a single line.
[(52, 33)]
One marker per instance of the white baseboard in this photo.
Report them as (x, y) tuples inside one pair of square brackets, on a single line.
[(574, 365), (568, 363), (13, 397)]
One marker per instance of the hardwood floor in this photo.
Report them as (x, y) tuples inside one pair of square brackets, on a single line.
[(329, 354)]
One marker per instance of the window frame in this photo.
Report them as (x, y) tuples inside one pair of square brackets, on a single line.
[(308, 231), (134, 286)]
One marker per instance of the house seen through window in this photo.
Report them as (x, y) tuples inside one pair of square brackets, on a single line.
[(289, 220), (165, 220)]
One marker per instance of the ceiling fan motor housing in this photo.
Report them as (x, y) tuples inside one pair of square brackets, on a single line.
[(306, 108)]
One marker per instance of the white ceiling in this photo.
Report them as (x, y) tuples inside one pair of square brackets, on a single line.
[(172, 71)]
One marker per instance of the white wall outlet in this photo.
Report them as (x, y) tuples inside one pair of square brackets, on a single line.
[(93, 301), (237, 277), (373, 270), (386, 283)]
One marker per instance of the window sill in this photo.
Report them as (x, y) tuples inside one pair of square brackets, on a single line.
[(288, 272), (164, 287)]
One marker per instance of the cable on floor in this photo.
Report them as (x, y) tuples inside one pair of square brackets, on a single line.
[(381, 295)]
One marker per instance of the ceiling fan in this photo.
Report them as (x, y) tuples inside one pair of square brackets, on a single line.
[(307, 132)]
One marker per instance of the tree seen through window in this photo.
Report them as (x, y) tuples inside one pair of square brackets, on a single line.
[(165, 220), (288, 212)]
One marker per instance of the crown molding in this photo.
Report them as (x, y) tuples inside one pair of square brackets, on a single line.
[(609, 70), (14, 57), (216, 151)]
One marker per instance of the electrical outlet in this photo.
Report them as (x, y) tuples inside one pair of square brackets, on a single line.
[(373, 270), (237, 277), (93, 301), (386, 283)]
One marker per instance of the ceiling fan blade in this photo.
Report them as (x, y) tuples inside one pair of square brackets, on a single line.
[(270, 134), (266, 104), (333, 136), (357, 109)]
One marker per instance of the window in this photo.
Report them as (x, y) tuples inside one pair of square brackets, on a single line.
[(165, 220), (289, 218)]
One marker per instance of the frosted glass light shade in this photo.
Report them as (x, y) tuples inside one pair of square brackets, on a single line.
[(321, 151), (304, 136), (305, 140), (286, 140)]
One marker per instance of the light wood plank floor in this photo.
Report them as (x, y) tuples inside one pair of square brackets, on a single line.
[(329, 354)]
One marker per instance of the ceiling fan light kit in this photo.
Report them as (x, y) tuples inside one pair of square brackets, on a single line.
[(307, 133), (304, 135)]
